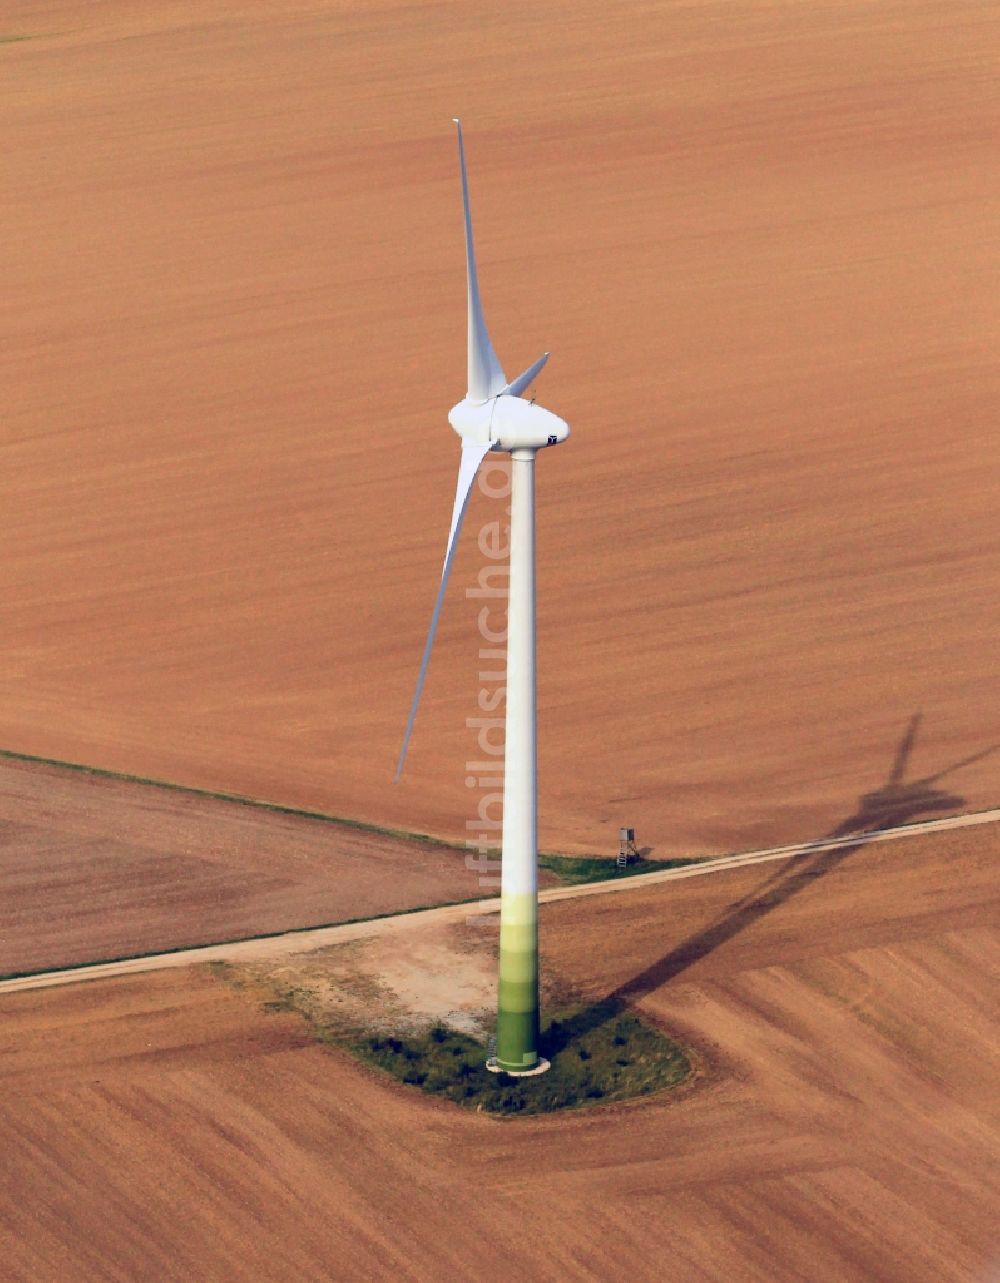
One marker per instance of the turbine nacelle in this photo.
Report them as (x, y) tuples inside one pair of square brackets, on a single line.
[(507, 422)]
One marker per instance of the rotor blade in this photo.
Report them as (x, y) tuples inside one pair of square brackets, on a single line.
[(486, 378), (473, 454), (966, 761), (516, 386)]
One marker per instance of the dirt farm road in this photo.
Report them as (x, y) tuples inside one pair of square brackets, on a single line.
[(301, 941)]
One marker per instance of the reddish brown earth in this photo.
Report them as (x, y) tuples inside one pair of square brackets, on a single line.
[(760, 240), (95, 868), (843, 1125)]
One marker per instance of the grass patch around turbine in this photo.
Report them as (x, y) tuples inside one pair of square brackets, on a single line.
[(599, 1054), (351, 999)]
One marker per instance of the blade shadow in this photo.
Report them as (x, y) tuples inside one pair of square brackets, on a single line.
[(894, 804)]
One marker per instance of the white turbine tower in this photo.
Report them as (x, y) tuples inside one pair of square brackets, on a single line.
[(493, 416)]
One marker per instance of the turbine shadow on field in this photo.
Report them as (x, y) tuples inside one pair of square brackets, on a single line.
[(894, 804)]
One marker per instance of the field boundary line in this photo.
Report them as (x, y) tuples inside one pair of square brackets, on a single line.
[(235, 799), (413, 836)]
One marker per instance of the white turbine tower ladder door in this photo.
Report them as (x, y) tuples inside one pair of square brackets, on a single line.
[(473, 453)]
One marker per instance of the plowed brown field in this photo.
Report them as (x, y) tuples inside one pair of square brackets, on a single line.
[(843, 1127), (760, 240), (96, 868)]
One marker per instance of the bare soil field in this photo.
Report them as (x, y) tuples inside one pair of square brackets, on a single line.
[(843, 1125), (760, 240), (95, 868)]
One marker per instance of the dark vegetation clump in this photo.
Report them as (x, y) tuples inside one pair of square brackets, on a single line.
[(599, 1054)]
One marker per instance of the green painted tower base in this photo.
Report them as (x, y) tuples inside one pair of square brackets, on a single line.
[(517, 1005)]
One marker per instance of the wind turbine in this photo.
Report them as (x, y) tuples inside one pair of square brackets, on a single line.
[(493, 416)]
